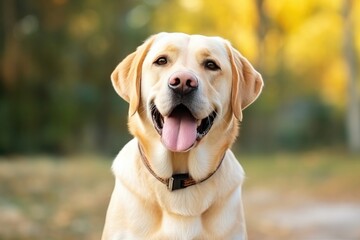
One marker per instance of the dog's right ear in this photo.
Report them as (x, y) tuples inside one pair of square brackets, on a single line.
[(127, 76)]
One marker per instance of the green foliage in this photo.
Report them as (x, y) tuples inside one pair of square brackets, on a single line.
[(56, 58), (57, 95)]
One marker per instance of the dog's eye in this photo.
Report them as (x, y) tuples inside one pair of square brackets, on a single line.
[(211, 65), (161, 61)]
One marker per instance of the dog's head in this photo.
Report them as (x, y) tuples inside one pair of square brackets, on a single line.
[(185, 86)]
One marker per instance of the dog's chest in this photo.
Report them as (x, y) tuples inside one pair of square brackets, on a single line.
[(210, 210), (174, 226), (216, 222), (180, 227)]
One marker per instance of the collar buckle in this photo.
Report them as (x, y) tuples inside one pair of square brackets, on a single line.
[(177, 181)]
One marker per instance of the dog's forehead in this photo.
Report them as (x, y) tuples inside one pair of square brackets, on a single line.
[(176, 42)]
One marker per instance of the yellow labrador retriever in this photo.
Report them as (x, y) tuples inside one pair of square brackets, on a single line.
[(178, 179)]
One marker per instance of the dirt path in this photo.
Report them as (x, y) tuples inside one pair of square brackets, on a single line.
[(275, 216)]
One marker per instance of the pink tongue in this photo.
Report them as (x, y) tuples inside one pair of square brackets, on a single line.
[(179, 130)]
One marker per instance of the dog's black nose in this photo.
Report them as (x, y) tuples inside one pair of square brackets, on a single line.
[(183, 82)]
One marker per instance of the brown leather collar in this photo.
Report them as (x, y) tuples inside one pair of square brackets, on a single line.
[(176, 181)]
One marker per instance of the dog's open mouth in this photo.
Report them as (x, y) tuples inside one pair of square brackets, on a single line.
[(181, 130)]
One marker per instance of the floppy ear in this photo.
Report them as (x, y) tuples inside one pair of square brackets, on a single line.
[(127, 76), (247, 83)]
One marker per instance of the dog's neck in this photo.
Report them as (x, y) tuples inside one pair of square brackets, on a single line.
[(198, 162), (176, 181)]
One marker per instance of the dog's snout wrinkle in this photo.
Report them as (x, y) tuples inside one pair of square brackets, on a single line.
[(183, 82)]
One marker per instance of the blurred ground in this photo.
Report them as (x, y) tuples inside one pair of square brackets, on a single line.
[(310, 196), (47, 198), (305, 196)]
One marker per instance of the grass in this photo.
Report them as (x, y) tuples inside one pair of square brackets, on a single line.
[(292, 183), (51, 198), (47, 198), (322, 175)]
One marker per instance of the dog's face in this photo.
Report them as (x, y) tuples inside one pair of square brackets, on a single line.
[(186, 85)]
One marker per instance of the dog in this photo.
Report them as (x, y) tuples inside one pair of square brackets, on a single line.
[(177, 178)]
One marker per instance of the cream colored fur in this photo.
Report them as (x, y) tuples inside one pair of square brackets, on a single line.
[(141, 207)]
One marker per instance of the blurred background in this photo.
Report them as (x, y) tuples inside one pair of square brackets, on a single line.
[(60, 118)]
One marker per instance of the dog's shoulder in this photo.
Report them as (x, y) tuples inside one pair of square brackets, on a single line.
[(124, 163), (232, 164), (230, 175)]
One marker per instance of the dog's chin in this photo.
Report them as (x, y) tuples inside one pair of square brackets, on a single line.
[(180, 131)]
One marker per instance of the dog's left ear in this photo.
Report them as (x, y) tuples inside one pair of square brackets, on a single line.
[(127, 76), (247, 83)]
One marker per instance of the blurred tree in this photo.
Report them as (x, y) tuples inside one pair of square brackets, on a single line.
[(56, 57), (296, 45), (353, 101)]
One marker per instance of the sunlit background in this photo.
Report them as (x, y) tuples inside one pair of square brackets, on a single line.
[(61, 122)]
